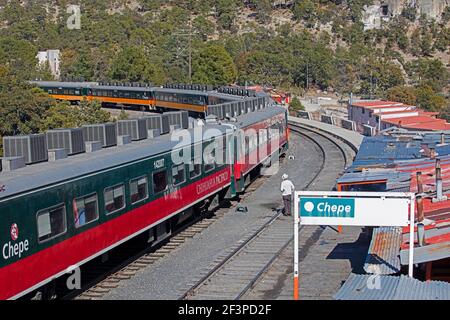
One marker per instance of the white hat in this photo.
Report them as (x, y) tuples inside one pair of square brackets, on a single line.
[(284, 176)]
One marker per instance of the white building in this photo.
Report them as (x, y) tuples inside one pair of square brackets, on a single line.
[(52, 57)]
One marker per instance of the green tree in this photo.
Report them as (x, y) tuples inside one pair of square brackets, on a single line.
[(296, 105), (22, 107), (63, 115), (213, 65), (442, 42), (91, 112), (226, 13), (263, 10), (431, 72), (306, 11), (404, 94), (133, 64), (122, 115), (429, 100), (426, 44), (415, 47)]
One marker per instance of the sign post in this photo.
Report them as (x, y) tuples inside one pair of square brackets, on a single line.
[(296, 223), (353, 209)]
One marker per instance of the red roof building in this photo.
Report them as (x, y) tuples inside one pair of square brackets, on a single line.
[(382, 114)]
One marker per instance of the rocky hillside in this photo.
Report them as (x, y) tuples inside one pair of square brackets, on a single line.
[(383, 48)]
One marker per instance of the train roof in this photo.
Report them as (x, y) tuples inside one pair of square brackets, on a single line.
[(64, 84), (96, 85), (44, 174), (91, 85), (181, 91)]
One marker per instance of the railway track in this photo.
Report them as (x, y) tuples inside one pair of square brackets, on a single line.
[(102, 282), (236, 275), (276, 231)]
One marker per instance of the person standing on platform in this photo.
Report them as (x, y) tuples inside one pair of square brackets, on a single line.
[(287, 190)]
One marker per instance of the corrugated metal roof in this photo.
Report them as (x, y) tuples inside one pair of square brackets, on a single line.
[(386, 151), (383, 150), (395, 180), (371, 287), (367, 287), (383, 254), (413, 289), (432, 252)]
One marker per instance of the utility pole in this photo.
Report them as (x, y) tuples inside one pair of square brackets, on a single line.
[(307, 76), (183, 47), (190, 50)]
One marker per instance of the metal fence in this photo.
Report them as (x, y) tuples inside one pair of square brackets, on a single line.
[(339, 122)]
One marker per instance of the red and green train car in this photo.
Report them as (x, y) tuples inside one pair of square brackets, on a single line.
[(57, 215)]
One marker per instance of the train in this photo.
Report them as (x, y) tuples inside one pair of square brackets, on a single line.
[(143, 95), (58, 215)]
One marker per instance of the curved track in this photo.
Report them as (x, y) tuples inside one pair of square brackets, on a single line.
[(240, 270), (236, 275)]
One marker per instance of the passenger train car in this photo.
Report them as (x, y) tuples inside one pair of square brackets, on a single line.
[(60, 214), (138, 95)]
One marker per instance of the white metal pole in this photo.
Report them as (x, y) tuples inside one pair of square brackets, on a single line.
[(411, 237), (296, 216)]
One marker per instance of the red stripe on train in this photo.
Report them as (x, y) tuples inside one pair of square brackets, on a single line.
[(28, 272)]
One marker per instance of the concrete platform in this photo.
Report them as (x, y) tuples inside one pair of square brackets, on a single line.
[(351, 137)]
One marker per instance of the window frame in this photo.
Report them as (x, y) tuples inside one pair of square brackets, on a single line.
[(184, 174), (146, 187), (63, 205), (189, 169), (98, 212), (124, 198), (153, 185)]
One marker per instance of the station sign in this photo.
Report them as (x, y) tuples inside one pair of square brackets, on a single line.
[(354, 209), (336, 208)]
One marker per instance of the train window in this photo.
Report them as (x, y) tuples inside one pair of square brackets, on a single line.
[(77, 92), (247, 145), (85, 210), (51, 223), (138, 189), (66, 91), (262, 136), (50, 91), (178, 176), (195, 168), (114, 198), (209, 161), (159, 181)]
